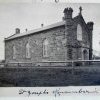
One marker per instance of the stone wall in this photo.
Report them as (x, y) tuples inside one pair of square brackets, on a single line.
[(57, 48), (77, 47), (62, 44)]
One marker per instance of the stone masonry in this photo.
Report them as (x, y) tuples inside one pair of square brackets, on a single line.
[(62, 41)]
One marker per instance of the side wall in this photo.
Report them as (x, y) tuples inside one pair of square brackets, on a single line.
[(57, 48)]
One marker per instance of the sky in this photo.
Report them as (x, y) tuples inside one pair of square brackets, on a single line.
[(31, 14)]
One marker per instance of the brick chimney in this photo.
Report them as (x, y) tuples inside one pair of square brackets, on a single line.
[(17, 30), (42, 25), (90, 27), (68, 13), (68, 33)]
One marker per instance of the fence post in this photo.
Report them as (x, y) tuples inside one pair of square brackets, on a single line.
[(73, 77), (73, 68), (72, 63), (50, 64), (31, 64), (18, 64)]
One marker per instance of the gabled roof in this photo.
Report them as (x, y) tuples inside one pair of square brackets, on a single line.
[(58, 24), (36, 30)]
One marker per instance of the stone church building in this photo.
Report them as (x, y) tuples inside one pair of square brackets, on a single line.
[(70, 39)]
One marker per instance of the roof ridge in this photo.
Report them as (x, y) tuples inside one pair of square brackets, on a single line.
[(57, 24)]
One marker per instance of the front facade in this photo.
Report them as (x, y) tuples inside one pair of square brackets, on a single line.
[(70, 39)]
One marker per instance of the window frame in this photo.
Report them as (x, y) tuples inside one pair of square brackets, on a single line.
[(14, 52), (79, 32), (27, 52), (45, 47)]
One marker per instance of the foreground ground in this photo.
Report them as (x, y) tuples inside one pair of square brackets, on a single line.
[(47, 76)]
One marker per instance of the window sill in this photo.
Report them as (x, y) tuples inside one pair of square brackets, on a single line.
[(45, 57), (28, 58)]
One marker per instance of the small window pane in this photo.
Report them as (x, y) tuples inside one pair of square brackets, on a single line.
[(45, 48), (14, 52), (28, 55), (79, 32)]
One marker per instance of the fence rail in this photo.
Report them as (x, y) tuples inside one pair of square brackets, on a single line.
[(51, 63)]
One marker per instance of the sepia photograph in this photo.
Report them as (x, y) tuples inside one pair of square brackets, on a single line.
[(48, 44)]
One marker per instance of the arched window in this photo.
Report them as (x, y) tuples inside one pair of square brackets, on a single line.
[(14, 52), (79, 32), (28, 54), (45, 48)]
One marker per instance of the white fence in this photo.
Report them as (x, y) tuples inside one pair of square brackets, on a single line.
[(52, 63)]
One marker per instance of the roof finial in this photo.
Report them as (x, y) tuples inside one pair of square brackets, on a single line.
[(26, 29), (42, 25), (80, 8)]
